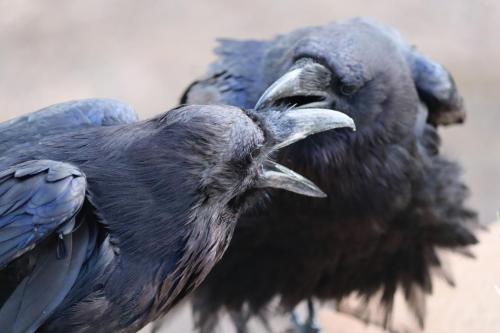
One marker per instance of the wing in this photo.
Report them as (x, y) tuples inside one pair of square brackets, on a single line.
[(39, 201), (437, 89), (231, 79), (64, 117)]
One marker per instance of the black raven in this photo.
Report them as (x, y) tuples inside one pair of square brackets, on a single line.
[(106, 223), (393, 199)]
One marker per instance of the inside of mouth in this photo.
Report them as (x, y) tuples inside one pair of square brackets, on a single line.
[(299, 100)]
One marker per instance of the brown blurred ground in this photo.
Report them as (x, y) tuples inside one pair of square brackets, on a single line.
[(146, 52)]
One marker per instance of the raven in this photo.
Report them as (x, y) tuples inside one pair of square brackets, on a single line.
[(393, 200), (107, 222)]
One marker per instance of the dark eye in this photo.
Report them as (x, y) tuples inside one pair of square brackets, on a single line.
[(243, 159), (255, 152), (348, 89)]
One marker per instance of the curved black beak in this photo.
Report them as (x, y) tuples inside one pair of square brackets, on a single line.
[(287, 127), (306, 85)]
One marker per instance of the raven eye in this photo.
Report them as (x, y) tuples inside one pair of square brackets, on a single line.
[(255, 152), (348, 89)]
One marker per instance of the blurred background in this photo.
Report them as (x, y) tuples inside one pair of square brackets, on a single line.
[(146, 52)]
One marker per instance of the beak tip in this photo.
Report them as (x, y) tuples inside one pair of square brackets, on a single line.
[(315, 191), (322, 195)]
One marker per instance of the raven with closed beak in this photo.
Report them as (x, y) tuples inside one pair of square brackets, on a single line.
[(107, 222), (393, 200)]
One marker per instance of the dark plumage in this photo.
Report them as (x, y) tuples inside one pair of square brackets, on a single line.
[(393, 200), (106, 223), (62, 118)]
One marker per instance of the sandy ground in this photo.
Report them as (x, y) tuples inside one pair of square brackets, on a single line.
[(146, 52)]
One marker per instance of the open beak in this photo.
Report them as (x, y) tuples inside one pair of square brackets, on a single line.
[(290, 126), (306, 85), (305, 88)]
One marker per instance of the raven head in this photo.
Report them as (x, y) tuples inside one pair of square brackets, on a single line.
[(363, 69), (229, 148), (215, 164), (356, 67)]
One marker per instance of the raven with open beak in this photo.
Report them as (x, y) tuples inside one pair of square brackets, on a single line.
[(106, 225), (393, 200)]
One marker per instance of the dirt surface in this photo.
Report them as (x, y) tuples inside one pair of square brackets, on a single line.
[(146, 52)]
